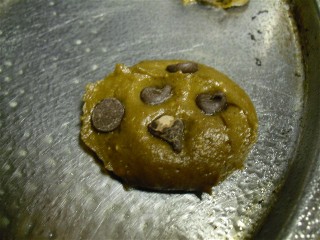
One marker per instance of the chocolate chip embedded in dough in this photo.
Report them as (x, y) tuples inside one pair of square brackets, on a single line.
[(107, 115), (184, 67), (211, 104), (168, 129), (154, 95)]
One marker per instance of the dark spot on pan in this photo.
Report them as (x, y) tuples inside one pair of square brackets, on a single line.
[(252, 37), (258, 62), (262, 11), (297, 74)]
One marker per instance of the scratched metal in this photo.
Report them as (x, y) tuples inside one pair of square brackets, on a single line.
[(52, 187)]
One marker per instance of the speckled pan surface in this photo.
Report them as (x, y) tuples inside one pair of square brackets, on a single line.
[(51, 187)]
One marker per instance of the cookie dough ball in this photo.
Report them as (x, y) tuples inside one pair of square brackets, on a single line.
[(169, 125)]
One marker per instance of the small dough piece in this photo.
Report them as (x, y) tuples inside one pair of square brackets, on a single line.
[(174, 144), (219, 3)]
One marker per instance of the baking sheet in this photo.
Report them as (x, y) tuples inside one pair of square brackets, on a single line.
[(53, 187)]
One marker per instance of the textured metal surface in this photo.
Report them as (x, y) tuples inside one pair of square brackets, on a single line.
[(296, 214), (52, 187)]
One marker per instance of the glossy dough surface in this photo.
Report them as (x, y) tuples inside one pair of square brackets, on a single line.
[(213, 146)]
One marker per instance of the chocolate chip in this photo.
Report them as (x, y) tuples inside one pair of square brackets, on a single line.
[(211, 103), (168, 129), (154, 95), (185, 67), (107, 115)]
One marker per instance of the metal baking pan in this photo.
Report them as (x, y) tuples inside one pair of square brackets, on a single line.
[(52, 187)]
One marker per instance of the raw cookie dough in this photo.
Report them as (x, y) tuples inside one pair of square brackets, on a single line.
[(169, 125), (219, 3)]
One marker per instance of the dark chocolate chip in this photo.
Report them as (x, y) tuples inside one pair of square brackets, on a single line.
[(154, 95), (211, 103), (185, 67), (168, 129), (107, 115)]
